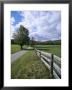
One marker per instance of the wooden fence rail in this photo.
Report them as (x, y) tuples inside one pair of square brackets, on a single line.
[(52, 62)]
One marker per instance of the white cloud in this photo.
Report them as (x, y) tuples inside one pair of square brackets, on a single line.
[(41, 24), (12, 20), (12, 27), (12, 31)]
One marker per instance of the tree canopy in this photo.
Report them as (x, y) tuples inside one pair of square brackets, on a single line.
[(21, 37)]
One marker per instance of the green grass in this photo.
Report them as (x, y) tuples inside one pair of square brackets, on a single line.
[(29, 66), (55, 49), (15, 48)]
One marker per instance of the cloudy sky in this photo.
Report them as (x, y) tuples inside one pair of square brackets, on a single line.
[(42, 25)]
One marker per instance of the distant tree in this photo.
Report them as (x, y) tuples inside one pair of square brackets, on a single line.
[(21, 37), (12, 41), (32, 42)]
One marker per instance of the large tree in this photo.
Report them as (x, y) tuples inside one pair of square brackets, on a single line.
[(21, 37)]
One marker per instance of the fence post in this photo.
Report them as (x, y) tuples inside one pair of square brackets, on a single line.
[(40, 55), (35, 51), (51, 70)]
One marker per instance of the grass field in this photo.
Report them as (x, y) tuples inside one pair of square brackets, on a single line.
[(15, 48), (29, 66), (55, 49)]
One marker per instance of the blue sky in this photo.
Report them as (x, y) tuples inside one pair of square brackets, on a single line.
[(42, 25)]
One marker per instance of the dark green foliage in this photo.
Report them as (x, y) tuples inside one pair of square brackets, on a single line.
[(21, 36), (12, 41)]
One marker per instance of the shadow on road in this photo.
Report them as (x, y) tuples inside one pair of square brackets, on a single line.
[(27, 49)]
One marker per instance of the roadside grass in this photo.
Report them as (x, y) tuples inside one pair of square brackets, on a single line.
[(55, 49), (29, 66), (15, 48)]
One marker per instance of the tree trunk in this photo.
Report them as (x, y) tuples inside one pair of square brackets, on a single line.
[(21, 47)]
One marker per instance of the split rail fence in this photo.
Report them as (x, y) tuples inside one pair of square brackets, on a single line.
[(52, 62)]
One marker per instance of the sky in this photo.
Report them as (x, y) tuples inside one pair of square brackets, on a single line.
[(42, 25)]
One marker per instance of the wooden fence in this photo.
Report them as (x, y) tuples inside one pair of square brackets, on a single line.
[(52, 62)]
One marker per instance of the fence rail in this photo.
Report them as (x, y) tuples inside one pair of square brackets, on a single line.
[(52, 62)]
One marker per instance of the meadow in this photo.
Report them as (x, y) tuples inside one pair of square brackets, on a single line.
[(55, 49), (15, 48), (29, 66)]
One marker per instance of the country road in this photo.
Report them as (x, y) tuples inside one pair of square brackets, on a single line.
[(15, 56)]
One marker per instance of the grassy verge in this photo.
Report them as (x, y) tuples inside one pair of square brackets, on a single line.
[(15, 48), (29, 66), (55, 49)]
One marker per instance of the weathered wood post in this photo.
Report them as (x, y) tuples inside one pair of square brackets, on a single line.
[(40, 55), (51, 69), (35, 51)]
